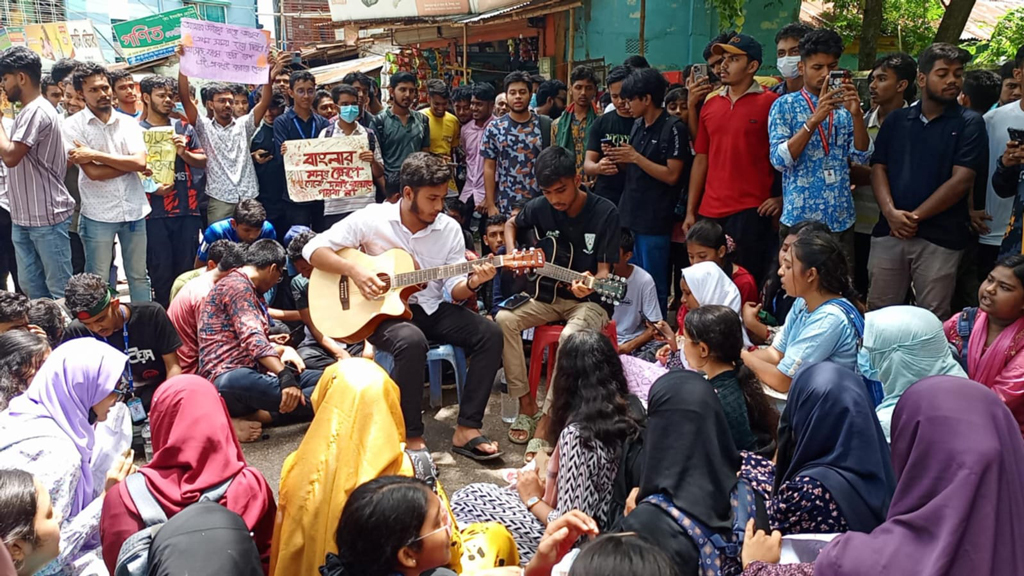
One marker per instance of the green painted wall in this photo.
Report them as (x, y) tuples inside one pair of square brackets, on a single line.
[(676, 30)]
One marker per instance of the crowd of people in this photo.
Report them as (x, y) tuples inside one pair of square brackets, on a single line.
[(756, 338)]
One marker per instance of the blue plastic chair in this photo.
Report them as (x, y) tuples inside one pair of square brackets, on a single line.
[(435, 355)]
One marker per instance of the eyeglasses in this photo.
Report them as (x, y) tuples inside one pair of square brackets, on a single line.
[(446, 525)]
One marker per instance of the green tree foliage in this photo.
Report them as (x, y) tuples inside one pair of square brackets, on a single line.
[(911, 22), (1007, 37)]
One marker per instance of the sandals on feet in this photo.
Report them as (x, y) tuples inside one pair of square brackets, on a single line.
[(523, 423), (472, 451), (534, 446)]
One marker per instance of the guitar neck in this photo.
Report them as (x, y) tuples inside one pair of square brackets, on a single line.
[(440, 272), (563, 274)]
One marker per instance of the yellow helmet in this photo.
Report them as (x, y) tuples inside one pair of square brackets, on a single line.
[(487, 545)]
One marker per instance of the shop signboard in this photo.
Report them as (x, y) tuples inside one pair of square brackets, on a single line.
[(152, 37), (354, 10)]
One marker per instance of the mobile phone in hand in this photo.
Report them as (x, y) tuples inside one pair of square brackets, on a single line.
[(700, 73), (1016, 135), (836, 79)]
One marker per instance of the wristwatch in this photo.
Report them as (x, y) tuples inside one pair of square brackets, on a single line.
[(533, 501)]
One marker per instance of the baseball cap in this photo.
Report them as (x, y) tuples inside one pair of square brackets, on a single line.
[(741, 44)]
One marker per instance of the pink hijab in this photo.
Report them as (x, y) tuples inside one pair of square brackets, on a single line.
[(1001, 366)]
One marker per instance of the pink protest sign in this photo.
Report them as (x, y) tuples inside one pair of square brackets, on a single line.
[(224, 52)]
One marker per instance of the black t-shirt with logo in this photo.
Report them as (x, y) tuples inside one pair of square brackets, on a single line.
[(616, 128), (150, 336), (594, 233)]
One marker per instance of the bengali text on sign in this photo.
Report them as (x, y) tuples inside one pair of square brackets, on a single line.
[(224, 52), (327, 168), (160, 154)]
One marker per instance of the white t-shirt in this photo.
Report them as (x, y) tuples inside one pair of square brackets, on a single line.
[(641, 296), (1001, 209)]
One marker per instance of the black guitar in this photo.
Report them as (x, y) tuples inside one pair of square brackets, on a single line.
[(558, 259)]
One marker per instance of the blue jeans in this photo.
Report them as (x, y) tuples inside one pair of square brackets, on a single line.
[(98, 239), (44, 258), (246, 390), (653, 254)]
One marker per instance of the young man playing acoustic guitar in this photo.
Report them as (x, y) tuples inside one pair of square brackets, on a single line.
[(586, 224), (416, 224)]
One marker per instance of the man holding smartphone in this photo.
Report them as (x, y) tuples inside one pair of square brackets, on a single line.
[(609, 130), (815, 133), (1006, 153)]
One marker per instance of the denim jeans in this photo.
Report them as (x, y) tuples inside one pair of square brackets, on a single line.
[(246, 390), (44, 258), (653, 254), (98, 239)]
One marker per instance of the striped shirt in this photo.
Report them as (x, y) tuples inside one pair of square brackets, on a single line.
[(36, 190)]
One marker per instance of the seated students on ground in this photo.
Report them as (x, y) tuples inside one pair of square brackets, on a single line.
[(706, 241), (30, 530), (416, 225), (195, 450), (775, 302), (21, 354), (621, 555), (959, 459), (316, 350), (184, 309), (821, 324), (197, 541), (590, 423), (455, 210), (636, 338), (48, 432), (589, 226), (714, 341), (13, 311), (237, 355), (248, 225), (903, 344), (990, 347), (139, 329), (691, 461), (50, 317)]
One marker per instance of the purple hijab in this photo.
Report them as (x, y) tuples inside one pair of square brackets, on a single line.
[(76, 376), (959, 457)]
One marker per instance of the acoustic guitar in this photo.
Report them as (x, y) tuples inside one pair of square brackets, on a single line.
[(339, 310), (558, 259)]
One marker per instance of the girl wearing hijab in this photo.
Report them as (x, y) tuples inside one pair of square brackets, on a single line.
[(690, 458), (29, 526), (205, 540), (48, 432), (357, 434), (591, 420), (992, 344), (822, 322), (903, 344), (194, 450), (832, 470), (959, 457)]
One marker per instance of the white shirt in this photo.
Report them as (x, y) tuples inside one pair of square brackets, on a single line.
[(120, 199), (230, 176), (641, 296), (378, 228), (1001, 209)]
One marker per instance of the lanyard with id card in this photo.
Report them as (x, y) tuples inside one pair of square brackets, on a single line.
[(135, 407), (830, 175)]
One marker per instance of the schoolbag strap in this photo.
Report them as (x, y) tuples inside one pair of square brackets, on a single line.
[(216, 493), (692, 527), (149, 509), (852, 314)]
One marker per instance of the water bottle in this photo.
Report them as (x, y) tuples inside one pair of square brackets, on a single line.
[(147, 441), (509, 405)]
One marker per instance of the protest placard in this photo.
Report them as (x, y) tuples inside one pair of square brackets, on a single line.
[(224, 52), (160, 154), (327, 168)]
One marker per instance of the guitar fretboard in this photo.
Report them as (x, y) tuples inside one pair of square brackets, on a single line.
[(563, 274), (439, 272)]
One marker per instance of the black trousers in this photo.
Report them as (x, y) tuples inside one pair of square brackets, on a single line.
[(408, 341), (8, 263), (755, 240), (171, 251), (309, 214)]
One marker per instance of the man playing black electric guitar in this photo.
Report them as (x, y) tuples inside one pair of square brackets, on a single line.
[(417, 225), (585, 225)]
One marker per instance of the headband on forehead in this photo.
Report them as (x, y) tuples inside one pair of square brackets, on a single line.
[(100, 306)]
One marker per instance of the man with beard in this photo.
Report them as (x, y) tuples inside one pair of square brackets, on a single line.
[(551, 97), (417, 225), (573, 127), (482, 107), (510, 147), (175, 216), (39, 203), (400, 129), (114, 202), (923, 166)]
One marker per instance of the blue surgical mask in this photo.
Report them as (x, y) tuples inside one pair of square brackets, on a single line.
[(179, 108), (349, 113), (788, 66), (533, 101), (864, 365)]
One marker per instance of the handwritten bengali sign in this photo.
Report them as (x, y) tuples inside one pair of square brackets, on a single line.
[(327, 168), (160, 154), (224, 52), (152, 37)]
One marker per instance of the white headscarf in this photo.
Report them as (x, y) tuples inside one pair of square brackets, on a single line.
[(709, 285)]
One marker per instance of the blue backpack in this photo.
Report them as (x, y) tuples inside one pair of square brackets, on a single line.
[(857, 321), (718, 556), (964, 325)]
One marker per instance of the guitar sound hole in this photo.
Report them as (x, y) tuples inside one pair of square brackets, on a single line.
[(386, 279)]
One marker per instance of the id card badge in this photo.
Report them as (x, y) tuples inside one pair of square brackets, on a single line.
[(831, 177), (136, 409)]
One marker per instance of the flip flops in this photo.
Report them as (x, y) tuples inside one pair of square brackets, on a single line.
[(534, 446), (524, 423), (470, 450)]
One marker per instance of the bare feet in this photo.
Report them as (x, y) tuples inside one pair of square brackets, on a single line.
[(463, 435), (247, 430)]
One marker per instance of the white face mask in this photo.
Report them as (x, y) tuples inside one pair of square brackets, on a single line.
[(788, 66)]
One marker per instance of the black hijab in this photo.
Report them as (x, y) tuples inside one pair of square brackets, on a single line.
[(204, 539), (829, 432), (689, 455)]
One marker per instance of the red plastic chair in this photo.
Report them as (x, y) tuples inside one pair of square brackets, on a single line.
[(546, 338)]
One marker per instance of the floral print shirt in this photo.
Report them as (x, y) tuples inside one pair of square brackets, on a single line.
[(801, 506)]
